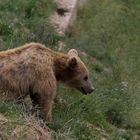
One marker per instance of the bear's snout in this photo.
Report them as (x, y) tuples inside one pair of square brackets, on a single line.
[(86, 90)]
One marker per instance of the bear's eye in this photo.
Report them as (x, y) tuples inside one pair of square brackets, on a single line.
[(85, 78)]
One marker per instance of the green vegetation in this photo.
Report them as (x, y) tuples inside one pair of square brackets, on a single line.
[(25, 21), (109, 32)]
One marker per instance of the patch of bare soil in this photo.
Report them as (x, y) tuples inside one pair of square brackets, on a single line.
[(31, 133), (3, 119), (30, 130)]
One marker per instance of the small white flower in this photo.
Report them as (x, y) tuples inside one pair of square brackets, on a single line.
[(124, 84)]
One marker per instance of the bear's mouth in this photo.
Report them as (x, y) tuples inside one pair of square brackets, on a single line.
[(83, 91)]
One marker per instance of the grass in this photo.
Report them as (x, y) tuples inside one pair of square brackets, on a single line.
[(108, 31), (25, 21)]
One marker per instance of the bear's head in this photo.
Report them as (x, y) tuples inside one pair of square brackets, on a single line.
[(78, 75)]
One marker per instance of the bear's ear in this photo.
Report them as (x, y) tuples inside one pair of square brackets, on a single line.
[(73, 52), (72, 63)]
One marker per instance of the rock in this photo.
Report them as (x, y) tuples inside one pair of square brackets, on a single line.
[(65, 14)]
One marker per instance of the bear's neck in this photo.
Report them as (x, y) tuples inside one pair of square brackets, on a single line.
[(61, 66)]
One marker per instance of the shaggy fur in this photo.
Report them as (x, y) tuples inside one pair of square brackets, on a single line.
[(34, 69)]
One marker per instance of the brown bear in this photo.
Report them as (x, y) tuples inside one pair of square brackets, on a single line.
[(34, 69)]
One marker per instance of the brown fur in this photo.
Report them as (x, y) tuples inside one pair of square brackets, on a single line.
[(34, 69)]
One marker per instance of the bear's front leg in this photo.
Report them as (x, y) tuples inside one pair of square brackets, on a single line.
[(44, 104), (42, 96), (47, 109)]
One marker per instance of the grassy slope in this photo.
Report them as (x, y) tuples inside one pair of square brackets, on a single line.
[(108, 31)]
